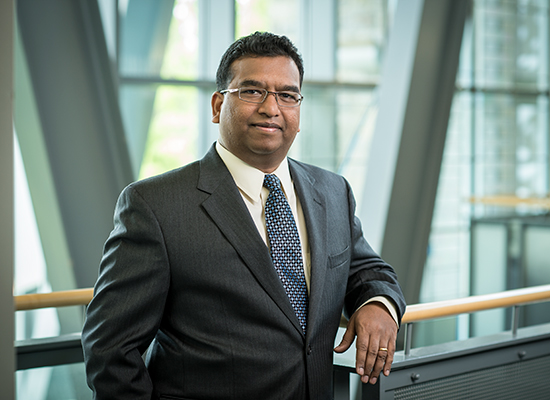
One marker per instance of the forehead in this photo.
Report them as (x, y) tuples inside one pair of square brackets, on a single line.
[(276, 71)]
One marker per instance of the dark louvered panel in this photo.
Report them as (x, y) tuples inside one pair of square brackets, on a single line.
[(525, 380)]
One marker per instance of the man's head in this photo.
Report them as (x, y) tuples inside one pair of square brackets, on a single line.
[(258, 44), (259, 131)]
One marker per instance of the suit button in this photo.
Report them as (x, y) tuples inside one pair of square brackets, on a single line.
[(309, 350)]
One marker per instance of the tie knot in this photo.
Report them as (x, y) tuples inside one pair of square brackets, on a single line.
[(272, 182)]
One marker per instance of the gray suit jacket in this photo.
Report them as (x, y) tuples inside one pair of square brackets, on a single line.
[(185, 272)]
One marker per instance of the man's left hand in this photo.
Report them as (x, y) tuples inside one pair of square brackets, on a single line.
[(376, 333)]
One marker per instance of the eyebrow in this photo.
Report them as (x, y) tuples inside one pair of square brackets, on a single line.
[(252, 82)]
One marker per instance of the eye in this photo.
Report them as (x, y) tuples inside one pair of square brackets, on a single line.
[(291, 96), (251, 92)]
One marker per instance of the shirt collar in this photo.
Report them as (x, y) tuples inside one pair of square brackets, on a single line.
[(250, 180)]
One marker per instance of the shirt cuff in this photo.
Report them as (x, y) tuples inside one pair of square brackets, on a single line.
[(386, 302)]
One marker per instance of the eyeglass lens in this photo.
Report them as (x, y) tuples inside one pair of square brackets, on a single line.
[(258, 95)]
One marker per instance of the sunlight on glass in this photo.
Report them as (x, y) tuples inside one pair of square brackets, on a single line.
[(511, 44), (280, 17), (357, 112), (363, 27), (181, 54), (172, 140)]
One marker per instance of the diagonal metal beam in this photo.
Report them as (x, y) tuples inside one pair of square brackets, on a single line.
[(416, 93), (78, 108)]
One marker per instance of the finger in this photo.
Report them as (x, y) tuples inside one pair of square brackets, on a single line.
[(347, 339), (379, 364), (362, 365), (370, 355), (389, 359)]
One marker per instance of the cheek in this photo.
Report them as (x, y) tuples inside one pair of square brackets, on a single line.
[(227, 119), (293, 122), (234, 117)]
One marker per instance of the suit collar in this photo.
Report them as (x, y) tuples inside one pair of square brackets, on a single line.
[(249, 179)]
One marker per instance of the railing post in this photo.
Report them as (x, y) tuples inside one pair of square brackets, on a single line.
[(515, 320), (408, 338), (340, 384)]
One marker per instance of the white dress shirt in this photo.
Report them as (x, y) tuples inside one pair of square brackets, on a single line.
[(250, 182)]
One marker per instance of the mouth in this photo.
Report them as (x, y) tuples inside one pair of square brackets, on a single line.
[(267, 127)]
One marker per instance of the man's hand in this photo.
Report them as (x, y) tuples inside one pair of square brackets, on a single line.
[(376, 333)]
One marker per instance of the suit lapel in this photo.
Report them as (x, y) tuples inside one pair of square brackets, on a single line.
[(314, 209), (228, 211)]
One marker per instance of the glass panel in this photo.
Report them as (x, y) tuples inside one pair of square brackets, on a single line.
[(173, 133), (159, 39), (316, 142), (511, 43), (537, 243), (497, 144), (446, 274), (181, 56), (428, 333), (336, 131), (281, 17), (511, 155), (63, 382), (363, 28), (30, 273), (356, 117)]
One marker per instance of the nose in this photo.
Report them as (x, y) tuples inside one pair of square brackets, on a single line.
[(270, 106)]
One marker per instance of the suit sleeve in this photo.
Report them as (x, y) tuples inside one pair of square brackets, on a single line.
[(369, 275), (129, 297)]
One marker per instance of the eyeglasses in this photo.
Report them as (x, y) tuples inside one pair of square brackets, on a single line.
[(258, 95)]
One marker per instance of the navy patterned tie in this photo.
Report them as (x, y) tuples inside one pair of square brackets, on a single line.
[(286, 251)]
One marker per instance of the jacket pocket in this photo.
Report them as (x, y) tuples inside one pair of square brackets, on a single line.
[(337, 260)]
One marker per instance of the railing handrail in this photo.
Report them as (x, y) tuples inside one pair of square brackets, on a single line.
[(414, 313), (447, 308), (511, 201), (76, 297)]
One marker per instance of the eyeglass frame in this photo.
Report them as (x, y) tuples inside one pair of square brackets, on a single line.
[(267, 93)]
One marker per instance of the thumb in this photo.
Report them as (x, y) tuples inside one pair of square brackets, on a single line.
[(347, 339)]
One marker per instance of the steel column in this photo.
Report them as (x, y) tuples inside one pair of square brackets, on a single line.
[(416, 93), (7, 360)]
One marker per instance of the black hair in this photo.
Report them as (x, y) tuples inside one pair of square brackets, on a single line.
[(258, 44)]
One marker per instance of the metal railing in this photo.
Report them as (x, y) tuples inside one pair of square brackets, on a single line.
[(407, 370), (414, 313), (467, 305)]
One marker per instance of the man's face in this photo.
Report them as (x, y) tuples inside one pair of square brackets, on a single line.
[(259, 134)]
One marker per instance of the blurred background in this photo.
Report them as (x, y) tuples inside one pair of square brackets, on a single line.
[(110, 91)]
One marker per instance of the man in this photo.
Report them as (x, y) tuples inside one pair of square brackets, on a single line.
[(232, 303)]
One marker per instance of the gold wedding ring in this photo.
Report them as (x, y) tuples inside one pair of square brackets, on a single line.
[(383, 349)]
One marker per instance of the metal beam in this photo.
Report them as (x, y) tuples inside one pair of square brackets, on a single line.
[(42, 189), (47, 352), (7, 360), (416, 93), (78, 108)]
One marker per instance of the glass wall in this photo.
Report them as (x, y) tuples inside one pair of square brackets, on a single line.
[(161, 53), (495, 167), (164, 96)]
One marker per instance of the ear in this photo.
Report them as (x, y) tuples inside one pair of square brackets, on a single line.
[(216, 103)]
